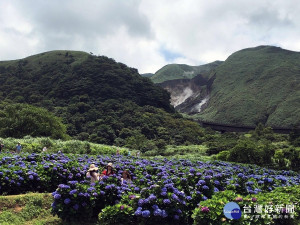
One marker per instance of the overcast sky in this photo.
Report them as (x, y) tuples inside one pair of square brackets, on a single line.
[(147, 34)]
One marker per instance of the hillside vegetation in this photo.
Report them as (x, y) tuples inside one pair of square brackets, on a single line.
[(182, 71), (255, 85), (97, 99)]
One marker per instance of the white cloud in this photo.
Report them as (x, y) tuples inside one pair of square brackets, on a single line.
[(135, 31)]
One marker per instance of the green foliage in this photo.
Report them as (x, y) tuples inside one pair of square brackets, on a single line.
[(294, 137), (180, 151), (246, 151), (255, 148), (19, 120), (280, 196), (35, 145), (119, 214), (224, 155), (220, 142), (130, 125), (22, 209)]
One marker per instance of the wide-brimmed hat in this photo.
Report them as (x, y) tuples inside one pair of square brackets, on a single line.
[(93, 168), (110, 164)]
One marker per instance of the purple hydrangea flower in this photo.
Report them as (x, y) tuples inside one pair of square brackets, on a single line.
[(163, 193), (67, 201), (152, 197), (91, 189), (138, 212), (76, 207), (155, 207), (73, 192), (157, 212), (167, 201), (205, 187), (57, 196), (146, 213), (164, 214)]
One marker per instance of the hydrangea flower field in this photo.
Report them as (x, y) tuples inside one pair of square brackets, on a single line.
[(162, 190)]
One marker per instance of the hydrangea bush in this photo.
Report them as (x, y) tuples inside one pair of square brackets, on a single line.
[(81, 200)]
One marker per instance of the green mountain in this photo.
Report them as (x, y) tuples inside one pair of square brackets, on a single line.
[(147, 75), (182, 71), (64, 76), (97, 98), (255, 85)]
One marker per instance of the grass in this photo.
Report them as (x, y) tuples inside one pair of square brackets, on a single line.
[(29, 209), (33, 61), (36, 145), (191, 152)]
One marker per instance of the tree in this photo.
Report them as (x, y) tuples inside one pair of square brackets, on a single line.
[(19, 120)]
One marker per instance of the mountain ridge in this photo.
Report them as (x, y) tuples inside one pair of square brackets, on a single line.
[(182, 71), (253, 85)]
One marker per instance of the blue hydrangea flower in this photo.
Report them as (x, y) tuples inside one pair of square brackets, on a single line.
[(240, 175), (157, 212), (138, 212), (76, 207), (201, 182), (152, 197), (167, 201), (73, 192), (146, 213), (205, 187), (91, 189), (188, 198), (163, 193), (164, 214), (140, 202), (67, 201), (57, 196), (155, 207)]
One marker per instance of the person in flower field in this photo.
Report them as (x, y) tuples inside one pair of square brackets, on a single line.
[(1, 146), (18, 148), (93, 173), (126, 178), (108, 171)]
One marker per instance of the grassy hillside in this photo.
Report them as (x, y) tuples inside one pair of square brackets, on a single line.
[(255, 85), (181, 71)]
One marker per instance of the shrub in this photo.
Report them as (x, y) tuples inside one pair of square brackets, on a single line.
[(83, 201), (119, 214), (210, 212), (223, 155)]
